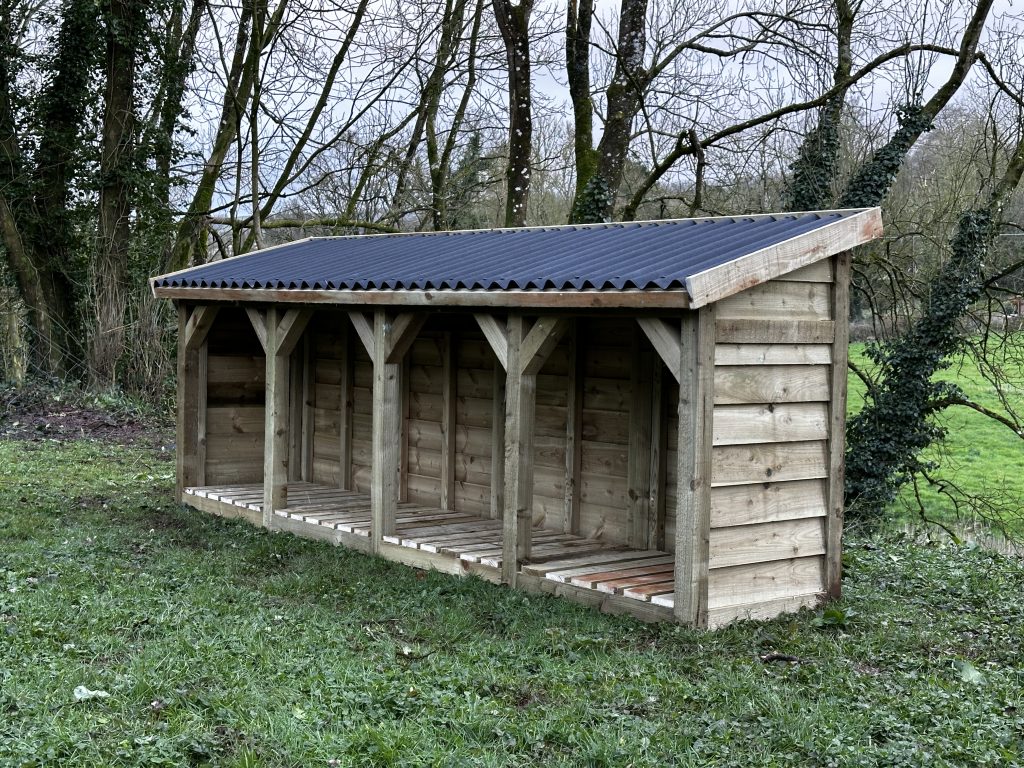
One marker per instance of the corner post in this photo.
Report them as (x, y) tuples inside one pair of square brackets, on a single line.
[(187, 426), (837, 427), (276, 412), (693, 515), (517, 508), (193, 328)]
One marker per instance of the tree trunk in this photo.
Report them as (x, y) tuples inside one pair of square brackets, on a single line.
[(514, 22), (123, 21)]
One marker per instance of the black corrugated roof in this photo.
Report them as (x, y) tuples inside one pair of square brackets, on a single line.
[(645, 255)]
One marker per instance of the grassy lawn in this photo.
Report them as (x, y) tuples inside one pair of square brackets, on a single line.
[(220, 644), (980, 455)]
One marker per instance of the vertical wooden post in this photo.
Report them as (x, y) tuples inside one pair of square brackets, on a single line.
[(295, 413), (658, 463), (202, 379), (345, 411), (641, 416), (837, 427), (449, 386), (520, 400), (498, 442), (573, 432), (308, 406), (188, 403), (403, 437), (693, 516), (275, 453), (387, 431)]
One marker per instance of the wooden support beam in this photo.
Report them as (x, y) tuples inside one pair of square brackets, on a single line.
[(540, 342), (364, 330), (664, 337), (573, 431), (404, 328), (275, 448), (294, 418), (837, 428), (259, 324), (520, 402), (496, 334), (290, 325), (308, 401), (345, 411), (187, 421), (638, 458), (693, 491), (202, 388), (498, 442), (449, 393), (659, 459), (198, 326), (385, 486)]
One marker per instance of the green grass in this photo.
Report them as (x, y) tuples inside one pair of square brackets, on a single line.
[(980, 455), (220, 644)]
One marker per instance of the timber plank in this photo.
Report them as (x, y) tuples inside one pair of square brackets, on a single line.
[(739, 385)]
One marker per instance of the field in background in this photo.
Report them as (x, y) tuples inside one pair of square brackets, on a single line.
[(980, 455)]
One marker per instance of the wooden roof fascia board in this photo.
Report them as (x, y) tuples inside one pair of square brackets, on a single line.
[(632, 299), (766, 264)]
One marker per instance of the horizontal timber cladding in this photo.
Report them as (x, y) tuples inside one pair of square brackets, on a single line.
[(235, 376), (331, 340), (770, 466), (606, 347)]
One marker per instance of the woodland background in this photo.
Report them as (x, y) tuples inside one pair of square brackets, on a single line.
[(142, 136)]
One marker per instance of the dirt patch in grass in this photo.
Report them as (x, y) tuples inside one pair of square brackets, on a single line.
[(39, 414)]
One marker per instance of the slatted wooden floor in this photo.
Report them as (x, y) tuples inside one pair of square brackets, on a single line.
[(559, 557)]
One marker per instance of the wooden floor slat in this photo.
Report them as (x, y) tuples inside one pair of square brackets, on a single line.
[(561, 557)]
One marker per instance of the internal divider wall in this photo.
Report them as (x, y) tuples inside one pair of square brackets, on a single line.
[(235, 391)]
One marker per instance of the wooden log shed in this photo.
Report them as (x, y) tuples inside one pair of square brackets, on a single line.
[(647, 417)]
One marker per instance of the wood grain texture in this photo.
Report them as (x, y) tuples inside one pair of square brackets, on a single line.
[(773, 354), (837, 427), (520, 395), (743, 384), (749, 331), (695, 466), (515, 300), (779, 300), (641, 417), (763, 582), (573, 431), (386, 436), (364, 329), (664, 337), (198, 326), (275, 451), (787, 422), (496, 333), (721, 281), (767, 502), (763, 542), (769, 462)]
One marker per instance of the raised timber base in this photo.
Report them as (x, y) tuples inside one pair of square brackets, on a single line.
[(613, 578)]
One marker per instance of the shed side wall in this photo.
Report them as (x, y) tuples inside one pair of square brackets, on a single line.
[(770, 454)]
